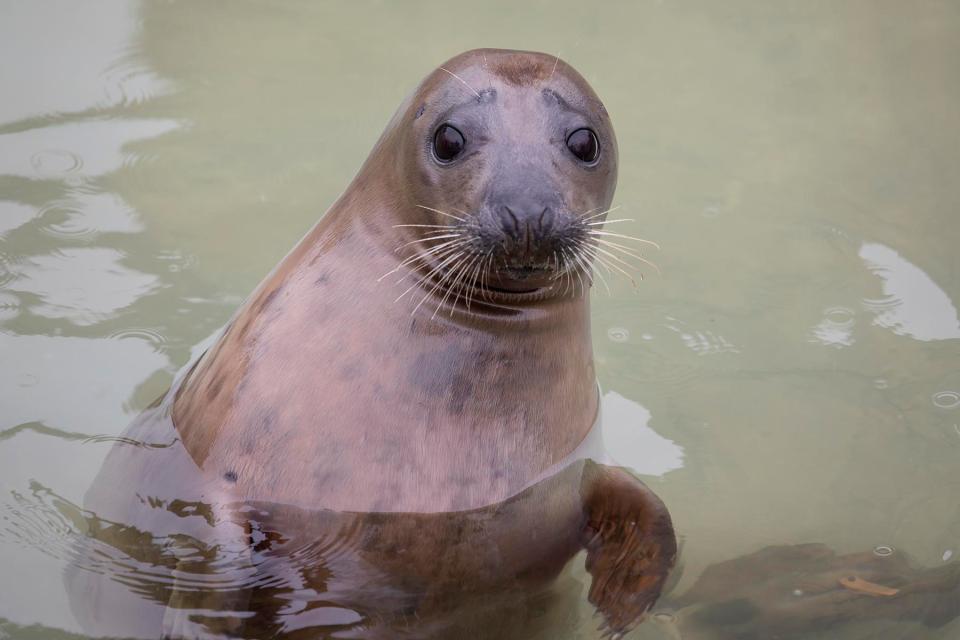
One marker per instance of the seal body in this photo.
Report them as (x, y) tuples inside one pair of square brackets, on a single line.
[(380, 439)]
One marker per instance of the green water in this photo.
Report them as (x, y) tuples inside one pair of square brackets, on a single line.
[(797, 162)]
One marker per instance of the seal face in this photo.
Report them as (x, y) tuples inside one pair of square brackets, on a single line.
[(509, 156), (421, 361)]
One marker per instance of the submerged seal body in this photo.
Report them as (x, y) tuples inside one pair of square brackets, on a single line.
[(403, 394)]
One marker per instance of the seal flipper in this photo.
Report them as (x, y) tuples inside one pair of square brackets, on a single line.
[(630, 544)]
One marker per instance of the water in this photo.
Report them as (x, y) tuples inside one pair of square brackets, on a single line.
[(796, 369)]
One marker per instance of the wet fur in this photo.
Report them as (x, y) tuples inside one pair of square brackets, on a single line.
[(415, 440)]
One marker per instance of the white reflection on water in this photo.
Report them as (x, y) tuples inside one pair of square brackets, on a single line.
[(836, 328), (71, 56), (88, 214), (91, 148), (13, 215), (630, 440), (83, 285), (78, 384), (914, 305), (701, 342)]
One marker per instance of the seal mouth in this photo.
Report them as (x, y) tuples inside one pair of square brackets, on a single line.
[(522, 280), (514, 291)]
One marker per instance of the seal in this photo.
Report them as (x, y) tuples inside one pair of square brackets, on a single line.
[(410, 384)]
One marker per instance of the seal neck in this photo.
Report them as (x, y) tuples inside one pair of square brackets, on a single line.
[(366, 218)]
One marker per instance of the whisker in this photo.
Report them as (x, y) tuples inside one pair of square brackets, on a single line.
[(588, 271), (445, 261), (420, 278), (588, 212), (485, 281), (632, 255), (427, 239), (611, 265), (567, 274), (457, 256), (603, 280), (554, 67), (431, 226), (443, 213), (602, 222), (456, 284), (618, 247), (580, 269), (580, 279), (424, 255), (594, 232), (460, 281), (436, 232), (433, 252), (570, 286), (473, 283), (466, 213), (615, 257), (597, 215), (439, 283), (475, 92), (606, 284)]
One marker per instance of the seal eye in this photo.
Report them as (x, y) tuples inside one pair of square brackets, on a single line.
[(447, 143), (583, 143)]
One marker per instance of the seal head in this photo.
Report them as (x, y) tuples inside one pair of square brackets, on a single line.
[(507, 160)]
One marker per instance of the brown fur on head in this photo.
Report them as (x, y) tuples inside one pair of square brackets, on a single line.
[(515, 192)]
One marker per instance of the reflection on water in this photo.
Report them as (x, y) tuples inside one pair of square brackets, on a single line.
[(836, 328), (780, 384), (794, 591), (258, 570), (914, 305), (81, 284), (95, 71), (632, 442), (55, 151), (164, 547)]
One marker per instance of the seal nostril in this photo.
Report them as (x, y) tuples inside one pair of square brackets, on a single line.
[(526, 223), (516, 221), (545, 222), (509, 222)]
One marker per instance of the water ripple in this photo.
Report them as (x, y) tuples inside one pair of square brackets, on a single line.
[(7, 268), (55, 162), (177, 261), (152, 336), (129, 80), (836, 327), (9, 306), (701, 342), (946, 399), (84, 285), (85, 215), (618, 334)]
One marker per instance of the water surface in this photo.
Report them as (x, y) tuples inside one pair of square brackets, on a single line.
[(796, 368)]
